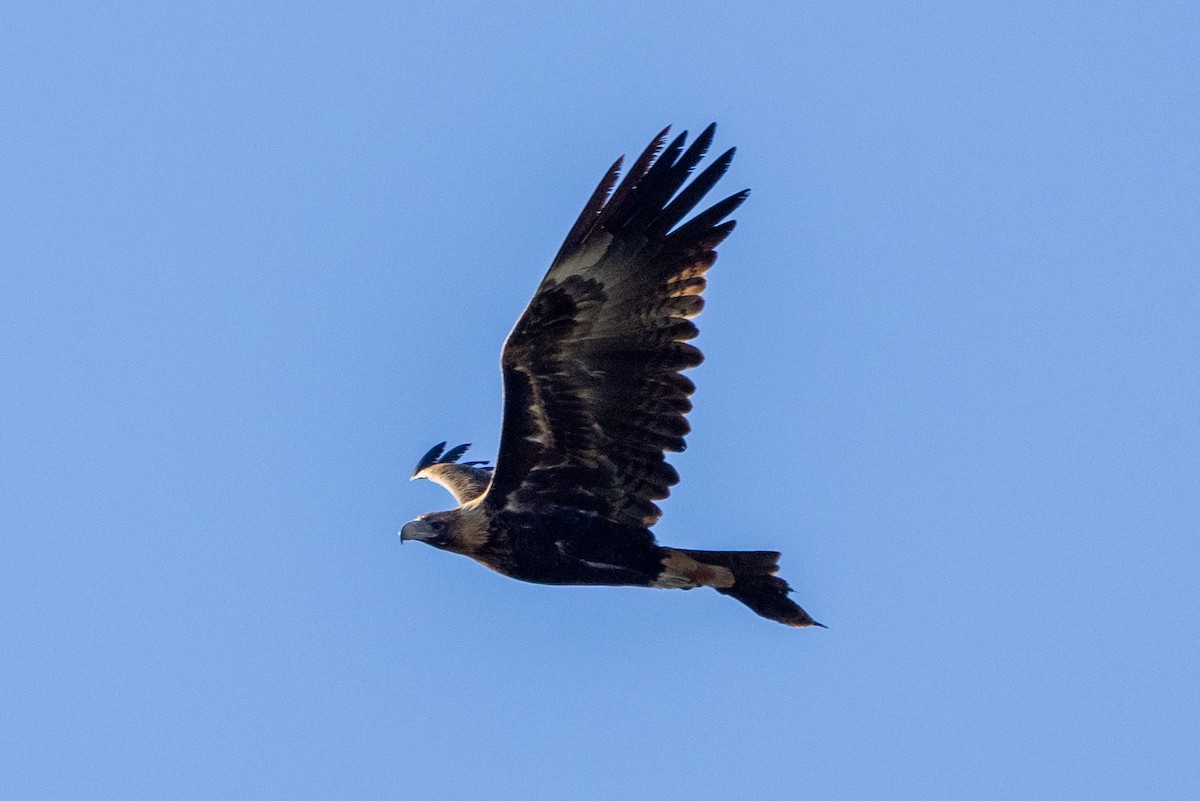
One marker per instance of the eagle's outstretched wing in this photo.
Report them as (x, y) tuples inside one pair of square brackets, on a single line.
[(593, 390), (466, 481)]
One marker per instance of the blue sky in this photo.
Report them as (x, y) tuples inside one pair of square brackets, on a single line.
[(255, 260)]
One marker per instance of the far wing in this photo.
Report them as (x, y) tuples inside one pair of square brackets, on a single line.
[(593, 390), (466, 481)]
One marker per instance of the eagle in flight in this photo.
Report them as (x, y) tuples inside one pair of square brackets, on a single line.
[(594, 396)]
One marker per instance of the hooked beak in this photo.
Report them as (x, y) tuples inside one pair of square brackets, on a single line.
[(416, 530)]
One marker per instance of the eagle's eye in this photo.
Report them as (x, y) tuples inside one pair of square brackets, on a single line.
[(437, 526)]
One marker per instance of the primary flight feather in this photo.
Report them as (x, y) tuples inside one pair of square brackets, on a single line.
[(594, 396)]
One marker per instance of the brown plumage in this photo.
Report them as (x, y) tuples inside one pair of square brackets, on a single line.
[(466, 481), (594, 396)]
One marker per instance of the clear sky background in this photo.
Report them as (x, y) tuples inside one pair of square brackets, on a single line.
[(256, 258)]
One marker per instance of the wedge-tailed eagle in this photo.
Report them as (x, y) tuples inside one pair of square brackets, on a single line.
[(594, 396)]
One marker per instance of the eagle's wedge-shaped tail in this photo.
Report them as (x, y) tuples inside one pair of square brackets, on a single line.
[(755, 584)]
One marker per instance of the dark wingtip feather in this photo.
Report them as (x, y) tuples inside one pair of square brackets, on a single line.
[(454, 453), (591, 210), (704, 141), (711, 217), (693, 193), (430, 457), (667, 158), (650, 155), (649, 158)]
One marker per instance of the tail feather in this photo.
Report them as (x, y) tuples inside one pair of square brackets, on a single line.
[(756, 585)]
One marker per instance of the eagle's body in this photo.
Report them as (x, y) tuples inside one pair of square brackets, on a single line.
[(569, 547), (593, 397)]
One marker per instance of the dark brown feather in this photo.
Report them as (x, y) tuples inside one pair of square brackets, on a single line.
[(593, 391)]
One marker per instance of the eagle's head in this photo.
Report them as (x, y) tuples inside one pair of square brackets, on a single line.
[(457, 530), (433, 528)]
